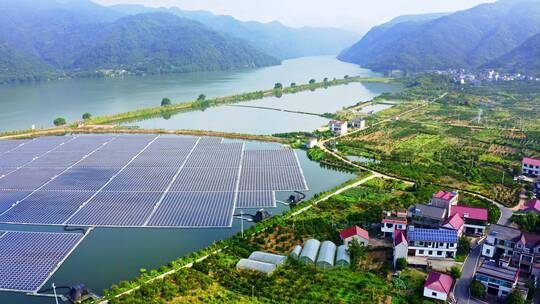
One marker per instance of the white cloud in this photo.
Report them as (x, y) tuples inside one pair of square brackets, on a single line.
[(359, 15)]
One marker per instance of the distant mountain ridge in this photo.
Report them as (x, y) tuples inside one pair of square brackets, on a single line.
[(59, 38), (465, 39), (273, 38), (524, 59)]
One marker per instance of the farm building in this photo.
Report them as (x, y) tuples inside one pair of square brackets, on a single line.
[(354, 232), (295, 254), (342, 256), (327, 254), (438, 286), (247, 264), (310, 251)]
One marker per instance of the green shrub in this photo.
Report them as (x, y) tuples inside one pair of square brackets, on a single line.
[(60, 121), (478, 289)]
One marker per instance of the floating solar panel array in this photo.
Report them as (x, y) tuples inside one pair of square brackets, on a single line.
[(28, 259), (139, 180)]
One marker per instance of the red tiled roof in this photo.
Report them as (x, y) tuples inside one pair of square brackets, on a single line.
[(532, 205), (445, 195), (439, 282), (395, 220), (531, 161), (337, 122), (400, 236), (352, 231), (480, 214), (530, 239), (455, 221)]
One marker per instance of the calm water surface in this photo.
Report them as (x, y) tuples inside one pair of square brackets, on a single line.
[(38, 104)]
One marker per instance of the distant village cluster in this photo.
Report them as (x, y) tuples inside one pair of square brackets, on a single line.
[(463, 76)]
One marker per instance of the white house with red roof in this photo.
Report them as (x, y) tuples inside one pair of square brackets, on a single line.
[(354, 233), (476, 219), (401, 245), (531, 166), (455, 222), (338, 127), (438, 286), (444, 199), (393, 220), (532, 206)]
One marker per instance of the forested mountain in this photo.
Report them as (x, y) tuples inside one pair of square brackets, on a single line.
[(523, 59), (465, 39), (273, 38), (56, 38)]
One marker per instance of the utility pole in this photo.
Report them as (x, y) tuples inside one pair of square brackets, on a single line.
[(242, 222), (54, 290)]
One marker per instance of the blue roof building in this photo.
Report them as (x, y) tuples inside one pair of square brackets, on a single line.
[(437, 243)]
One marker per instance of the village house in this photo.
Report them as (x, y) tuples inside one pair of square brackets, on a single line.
[(358, 123), (354, 232), (454, 222), (427, 216), (438, 286), (401, 246), (531, 167), (312, 143), (499, 280), (436, 243), (338, 127), (393, 220), (444, 199), (532, 206), (521, 249), (476, 219)]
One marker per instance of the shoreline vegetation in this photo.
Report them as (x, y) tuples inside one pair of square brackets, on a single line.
[(199, 104)]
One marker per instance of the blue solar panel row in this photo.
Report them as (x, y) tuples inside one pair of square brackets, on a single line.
[(142, 179), (256, 199), (194, 209), (433, 235), (56, 159), (9, 198), (81, 179), (215, 159), (272, 179), (206, 179), (28, 259), (172, 144), (16, 159), (28, 178), (46, 207), (270, 158), (7, 145), (117, 209), (107, 159), (173, 159)]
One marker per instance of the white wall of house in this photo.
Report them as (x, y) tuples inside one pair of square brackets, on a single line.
[(531, 169), (477, 229), (488, 250), (362, 241), (429, 293), (400, 251), (390, 228), (433, 252)]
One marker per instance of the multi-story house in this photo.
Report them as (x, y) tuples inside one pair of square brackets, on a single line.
[(427, 216), (444, 199), (392, 220), (521, 249), (476, 219), (531, 166), (437, 243), (338, 127), (499, 281)]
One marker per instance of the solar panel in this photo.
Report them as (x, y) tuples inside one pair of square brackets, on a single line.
[(45, 207), (206, 179), (43, 144), (272, 178), (215, 159), (154, 158), (4, 171), (142, 179), (256, 199), (8, 198), (56, 159), (172, 144), (8, 145), (107, 159), (16, 159), (128, 143), (116, 209), (269, 158), (84, 144), (28, 178), (433, 235), (28, 259), (194, 209), (81, 179)]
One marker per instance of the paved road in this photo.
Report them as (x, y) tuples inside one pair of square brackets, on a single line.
[(461, 291)]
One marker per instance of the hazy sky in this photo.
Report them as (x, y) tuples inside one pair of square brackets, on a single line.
[(358, 15)]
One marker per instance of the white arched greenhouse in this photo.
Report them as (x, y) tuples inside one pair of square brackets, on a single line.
[(327, 254), (268, 258), (247, 264), (342, 256), (296, 252), (310, 251)]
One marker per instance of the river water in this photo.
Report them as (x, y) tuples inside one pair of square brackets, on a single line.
[(108, 256), (22, 106)]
